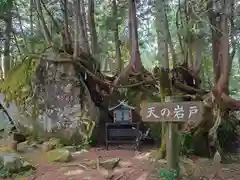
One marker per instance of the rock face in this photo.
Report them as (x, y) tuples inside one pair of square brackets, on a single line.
[(64, 98)]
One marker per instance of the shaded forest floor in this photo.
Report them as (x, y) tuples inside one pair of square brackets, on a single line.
[(132, 166)]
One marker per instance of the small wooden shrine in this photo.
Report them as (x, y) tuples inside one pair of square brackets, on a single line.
[(122, 113), (122, 129)]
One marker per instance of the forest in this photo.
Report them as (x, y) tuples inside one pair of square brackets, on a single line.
[(64, 63)]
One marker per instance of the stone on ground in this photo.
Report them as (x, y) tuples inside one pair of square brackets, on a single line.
[(12, 162), (59, 155), (26, 146), (22, 147), (56, 142), (110, 163), (142, 156), (51, 144), (26, 166), (46, 146)]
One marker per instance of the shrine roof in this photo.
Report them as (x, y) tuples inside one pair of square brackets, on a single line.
[(121, 103)]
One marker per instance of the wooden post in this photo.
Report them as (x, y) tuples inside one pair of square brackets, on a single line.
[(172, 141), (173, 112)]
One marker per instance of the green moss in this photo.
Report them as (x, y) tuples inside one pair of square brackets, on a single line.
[(17, 85), (59, 155), (5, 149)]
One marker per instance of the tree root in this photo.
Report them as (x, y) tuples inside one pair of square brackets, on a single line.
[(189, 88), (135, 77)]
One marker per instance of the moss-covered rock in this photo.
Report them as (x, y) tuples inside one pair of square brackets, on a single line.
[(47, 146), (56, 142), (53, 143), (59, 155), (110, 163), (17, 85), (13, 163), (26, 166)]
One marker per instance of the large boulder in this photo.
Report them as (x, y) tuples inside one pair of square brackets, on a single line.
[(64, 100)]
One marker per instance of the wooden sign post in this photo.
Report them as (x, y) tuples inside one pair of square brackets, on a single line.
[(173, 112)]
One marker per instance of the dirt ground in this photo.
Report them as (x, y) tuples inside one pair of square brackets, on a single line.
[(132, 166)]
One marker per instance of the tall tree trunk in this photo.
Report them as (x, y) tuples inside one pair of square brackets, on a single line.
[(168, 35), (83, 38), (31, 9), (222, 61), (165, 87), (135, 53), (215, 40), (77, 38), (66, 37), (1, 61), (135, 64), (43, 23), (7, 40), (129, 30), (92, 28), (116, 38), (80, 41)]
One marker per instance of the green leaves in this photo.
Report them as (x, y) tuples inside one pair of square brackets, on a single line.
[(169, 175), (5, 5)]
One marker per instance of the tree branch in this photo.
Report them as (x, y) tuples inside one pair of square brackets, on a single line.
[(43, 23)]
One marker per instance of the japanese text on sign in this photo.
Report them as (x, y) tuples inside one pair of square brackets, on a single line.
[(181, 111)]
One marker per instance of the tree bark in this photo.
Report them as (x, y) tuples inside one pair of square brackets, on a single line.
[(43, 23), (67, 41), (31, 9), (7, 40), (83, 38), (165, 87), (135, 53), (135, 64), (92, 28), (221, 57), (77, 29), (168, 35), (116, 38), (84, 17)]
